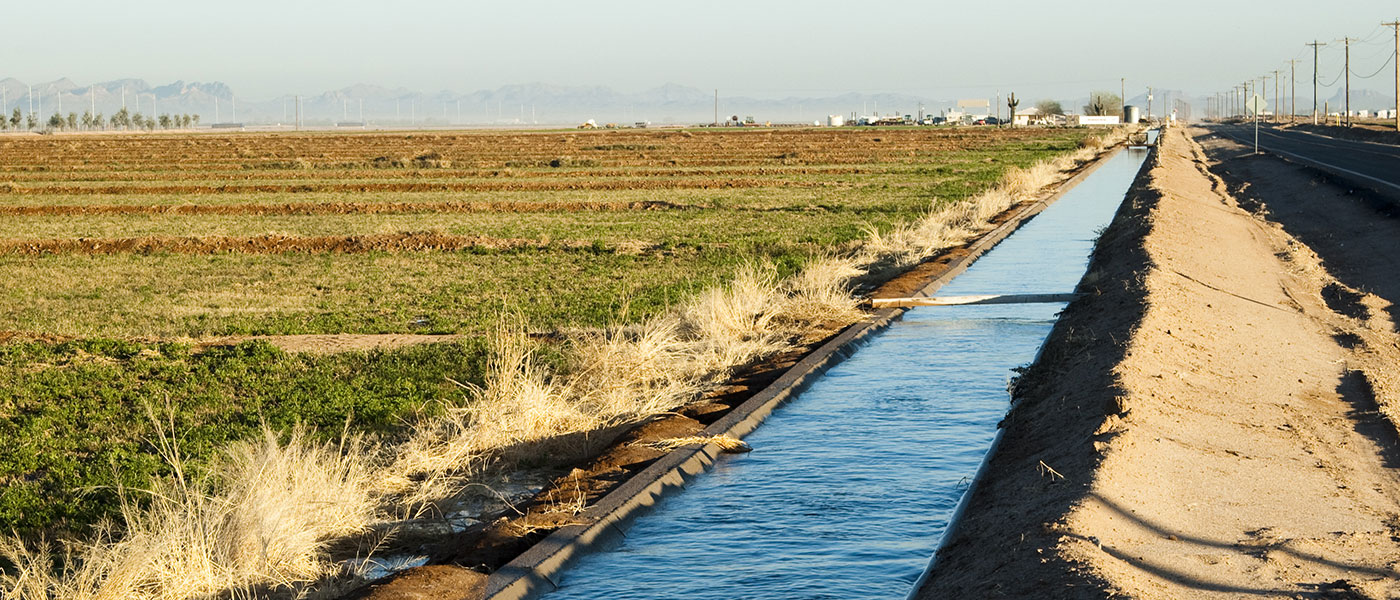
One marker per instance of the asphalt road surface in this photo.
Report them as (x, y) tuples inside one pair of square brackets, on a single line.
[(1364, 163)]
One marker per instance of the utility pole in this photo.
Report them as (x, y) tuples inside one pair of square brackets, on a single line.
[(1347, 72), (1277, 106), (1396, 26), (1293, 82), (1315, 45), (1149, 104), (716, 124), (298, 103)]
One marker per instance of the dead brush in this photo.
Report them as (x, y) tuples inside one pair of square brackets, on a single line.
[(641, 370), (263, 517), (821, 292)]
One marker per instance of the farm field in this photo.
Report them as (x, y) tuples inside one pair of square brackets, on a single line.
[(125, 254)]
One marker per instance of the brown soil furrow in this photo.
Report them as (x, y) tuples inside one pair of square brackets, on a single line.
[(254, 171), (336, 208), (491, 186), (278, 244)]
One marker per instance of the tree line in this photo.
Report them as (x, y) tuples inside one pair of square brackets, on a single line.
[(121, 120)]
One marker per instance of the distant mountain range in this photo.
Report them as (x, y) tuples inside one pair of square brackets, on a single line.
[(530, 103)]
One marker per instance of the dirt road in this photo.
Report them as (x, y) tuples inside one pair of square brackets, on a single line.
[(1205, 424)]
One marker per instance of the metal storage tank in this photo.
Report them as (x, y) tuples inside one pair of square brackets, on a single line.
[(1131, 114)]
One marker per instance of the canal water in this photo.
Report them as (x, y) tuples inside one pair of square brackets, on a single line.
[(851, 484)]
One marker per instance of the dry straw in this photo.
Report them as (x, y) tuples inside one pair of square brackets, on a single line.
[(266, 516)]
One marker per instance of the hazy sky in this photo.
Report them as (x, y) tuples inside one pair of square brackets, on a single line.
[(263, 48)]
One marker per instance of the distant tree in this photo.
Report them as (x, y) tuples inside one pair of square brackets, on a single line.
[(164, 121), (97, 120), (4, 123), (56, 121), (31, 121), (72, 120), (195, 118), (121, 118), (15, 119), (1104, 103), (185, 121), (87, 120), (1049, 107)]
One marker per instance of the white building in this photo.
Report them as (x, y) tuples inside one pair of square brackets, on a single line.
[(1030, 116)]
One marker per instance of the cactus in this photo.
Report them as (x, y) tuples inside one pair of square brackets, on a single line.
[(1013, 103)]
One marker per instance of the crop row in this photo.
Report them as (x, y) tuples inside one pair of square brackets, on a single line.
[(523, 149)]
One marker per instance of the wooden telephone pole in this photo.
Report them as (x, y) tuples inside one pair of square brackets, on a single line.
[(1315, 45), (1346, 70), (1293, 81), (1396, 26), (1277, 106)]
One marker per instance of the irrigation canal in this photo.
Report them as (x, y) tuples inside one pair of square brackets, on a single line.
[(851, 484)]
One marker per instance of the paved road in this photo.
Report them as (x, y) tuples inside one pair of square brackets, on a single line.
[(1365, 163)]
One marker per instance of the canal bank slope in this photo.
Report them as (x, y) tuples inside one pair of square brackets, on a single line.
[(1203, 423)]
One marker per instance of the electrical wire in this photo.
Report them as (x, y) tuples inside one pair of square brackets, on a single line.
[(1336, 79), (1378, 71)]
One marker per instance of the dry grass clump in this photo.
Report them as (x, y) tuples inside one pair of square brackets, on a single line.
[(262, 519), (821, 292), (267, 512)]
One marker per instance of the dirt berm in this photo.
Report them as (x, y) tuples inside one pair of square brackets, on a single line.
[(1204, 423)]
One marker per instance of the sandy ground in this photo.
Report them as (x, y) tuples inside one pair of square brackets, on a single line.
[(1205, 423)]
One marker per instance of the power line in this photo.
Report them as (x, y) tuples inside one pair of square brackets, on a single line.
[(1335, 79), (1378, 71)]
